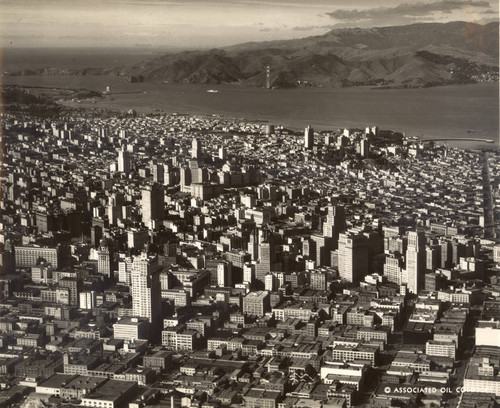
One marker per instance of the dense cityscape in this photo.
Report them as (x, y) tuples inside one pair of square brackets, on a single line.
[(198, 261)]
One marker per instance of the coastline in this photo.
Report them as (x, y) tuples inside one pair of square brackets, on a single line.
[(454, 111)]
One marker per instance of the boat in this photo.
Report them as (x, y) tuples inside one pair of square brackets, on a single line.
[(212, 91)]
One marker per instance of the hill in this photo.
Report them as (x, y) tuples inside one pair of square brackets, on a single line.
[(404, 56)]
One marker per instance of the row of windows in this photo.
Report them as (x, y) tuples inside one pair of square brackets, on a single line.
[(92, 403)]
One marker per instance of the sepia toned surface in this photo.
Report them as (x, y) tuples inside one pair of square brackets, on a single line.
[(249, 203)]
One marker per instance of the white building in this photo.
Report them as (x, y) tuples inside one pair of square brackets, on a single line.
[(146, 289), (488, 333), (415, 261), (131, 328), (87, 300)]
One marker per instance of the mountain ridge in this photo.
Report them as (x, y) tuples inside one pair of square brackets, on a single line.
[(417, 55)]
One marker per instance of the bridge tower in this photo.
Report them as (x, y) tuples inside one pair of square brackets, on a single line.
[(268, 77)]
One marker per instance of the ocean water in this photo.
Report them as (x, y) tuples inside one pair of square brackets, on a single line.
[(456, 111)]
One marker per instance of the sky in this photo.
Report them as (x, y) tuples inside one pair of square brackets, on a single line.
[(212, 23)]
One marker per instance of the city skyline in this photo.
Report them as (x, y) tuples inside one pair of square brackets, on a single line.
[(329, 268), (305, 223)]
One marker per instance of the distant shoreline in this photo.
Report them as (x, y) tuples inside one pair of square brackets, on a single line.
[(455, 111)]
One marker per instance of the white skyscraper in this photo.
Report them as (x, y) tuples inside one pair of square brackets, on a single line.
[(222, 153), (158, 171), (87, 300), (125, 270), (196, 149), (392, 269), (146, 291), (248, 272), (224, 274), (308, 138), (415, 261), (104, 259), (124, 161), (271, 282)]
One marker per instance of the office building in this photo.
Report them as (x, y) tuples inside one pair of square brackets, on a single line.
[(263, 267), (318, 280), (138, 238), (441, 348), (146, 291), (415, 261), (152, 203), (196, 149), (222, 153), (256, 303), (335, 223), (158, 171), (224, 272), (496, 253), (488, 333), (309, 138), (124, 161), (271, 282), (41, 273), (131, 328), (87, 300), (353, 257), (433, 257), (393, 269), (323, 245), (28, 256), (249, 272), (105, 258)]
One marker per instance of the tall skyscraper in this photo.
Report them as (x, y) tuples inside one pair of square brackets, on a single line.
[(196, 149), (171, 176), (87, 300), (249, 272), (263, 267), (185, 177), (353, 257), (116, 202), (146, 291), (104, 259), (415, 261), (335, 223), (158, 171), (446, 253), (309, 249), (195, 173), (7, 258), (393, 270), (253, 244), (224, 274), (433, 257), (222, 153), (364, 148), (308, 138), (124, 160), (152, 203), (271, 282), (323, 246), (125, 270)]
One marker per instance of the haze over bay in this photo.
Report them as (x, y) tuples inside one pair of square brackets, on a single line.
[(455, 111)]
